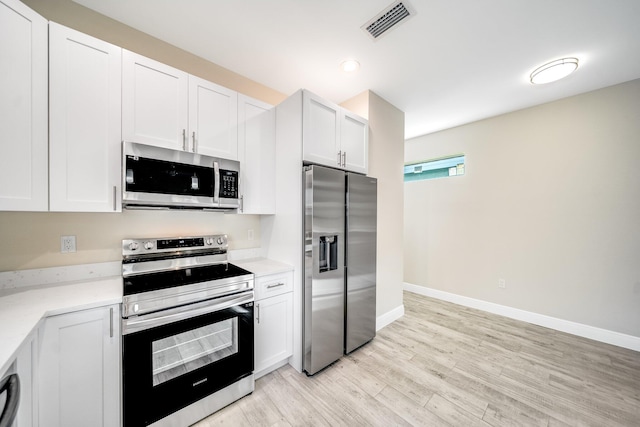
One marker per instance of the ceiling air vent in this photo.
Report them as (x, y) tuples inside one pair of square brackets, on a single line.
[(397, 12)]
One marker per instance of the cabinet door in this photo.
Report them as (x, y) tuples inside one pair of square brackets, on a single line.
[(257, 155), (354, 139), (273, 330), (320, 130), (154, 102), (213, 119), (23, 108), (80, 369), (85, 114), (26, 368)]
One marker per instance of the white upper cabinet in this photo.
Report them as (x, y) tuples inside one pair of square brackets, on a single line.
[(333, 136), (354, 138), (23, 108), (256, 152), (321, 127), (213, 119), (154, 102), (169, 108), (85, 117)]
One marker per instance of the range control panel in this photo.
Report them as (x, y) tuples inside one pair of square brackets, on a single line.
[(138, 247)]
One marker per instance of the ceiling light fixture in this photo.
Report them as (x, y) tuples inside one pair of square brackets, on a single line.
[(350, 65), (554, 70)]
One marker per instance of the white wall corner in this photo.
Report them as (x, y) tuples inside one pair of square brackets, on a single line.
[(389, 317), (597, 334)]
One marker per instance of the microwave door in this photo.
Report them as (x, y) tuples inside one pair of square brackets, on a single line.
[(156, 182)]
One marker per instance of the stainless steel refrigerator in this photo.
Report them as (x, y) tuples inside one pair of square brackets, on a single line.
[(340, 264)]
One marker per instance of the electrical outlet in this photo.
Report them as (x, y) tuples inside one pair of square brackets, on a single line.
[(502, 284), (67, 244), (250, 234)]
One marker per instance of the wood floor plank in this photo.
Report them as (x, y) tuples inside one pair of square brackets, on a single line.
[(409, 410), (452, 413), (443, 364), (259, 409)]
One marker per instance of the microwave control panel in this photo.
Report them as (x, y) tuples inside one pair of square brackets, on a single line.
[(229, 184)]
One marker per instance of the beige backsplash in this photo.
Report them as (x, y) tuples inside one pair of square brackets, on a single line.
[(32, 239)]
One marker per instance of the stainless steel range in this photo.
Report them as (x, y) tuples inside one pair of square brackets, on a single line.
[(187, 325)]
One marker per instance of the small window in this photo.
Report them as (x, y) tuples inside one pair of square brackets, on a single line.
[(437, 168)]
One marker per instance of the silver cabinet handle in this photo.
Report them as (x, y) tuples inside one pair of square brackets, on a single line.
[(339, 157), (344, 158), (152, 320), (111, 322), (115, 198), (184, 140), (258, 313), (242, 203), (275, 285), (193, 136)]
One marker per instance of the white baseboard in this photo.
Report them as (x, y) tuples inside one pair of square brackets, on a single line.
[(598, 334), (389, 317)]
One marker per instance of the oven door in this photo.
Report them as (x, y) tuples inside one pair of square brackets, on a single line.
[(168, 367)]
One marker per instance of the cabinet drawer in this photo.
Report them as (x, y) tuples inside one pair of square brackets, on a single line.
[(273, 284)]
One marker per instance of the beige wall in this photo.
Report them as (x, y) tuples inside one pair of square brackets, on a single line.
[(78, 17), (386, 158), (550, 202), (32, 240)]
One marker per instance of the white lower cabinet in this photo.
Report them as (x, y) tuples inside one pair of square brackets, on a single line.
[(273, 322), (79, 369), (26, 368)]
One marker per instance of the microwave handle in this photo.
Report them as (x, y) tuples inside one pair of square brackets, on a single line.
[(216, 182)]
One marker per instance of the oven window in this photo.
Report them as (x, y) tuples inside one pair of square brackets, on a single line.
[(187, 351)]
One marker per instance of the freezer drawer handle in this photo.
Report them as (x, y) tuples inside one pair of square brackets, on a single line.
[(275, 285)]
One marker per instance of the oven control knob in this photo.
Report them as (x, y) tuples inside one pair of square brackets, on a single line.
[(209, 241), (148, 245), (133, 246), (220, 240)]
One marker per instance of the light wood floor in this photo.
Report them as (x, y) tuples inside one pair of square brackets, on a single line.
[(444, 364)]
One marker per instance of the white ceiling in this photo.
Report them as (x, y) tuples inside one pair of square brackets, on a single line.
[(454, 62)]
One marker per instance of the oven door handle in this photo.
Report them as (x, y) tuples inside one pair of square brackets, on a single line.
[(157, 266), (159, 318)]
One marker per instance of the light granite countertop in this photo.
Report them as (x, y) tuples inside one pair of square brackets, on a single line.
[(28, 296), (262, 266), (22, 309)]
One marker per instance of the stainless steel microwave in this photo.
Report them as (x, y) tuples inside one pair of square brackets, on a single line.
[(162, 178)]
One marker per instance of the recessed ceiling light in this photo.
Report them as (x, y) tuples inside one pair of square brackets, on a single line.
[(350, 65), (554, 70)]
